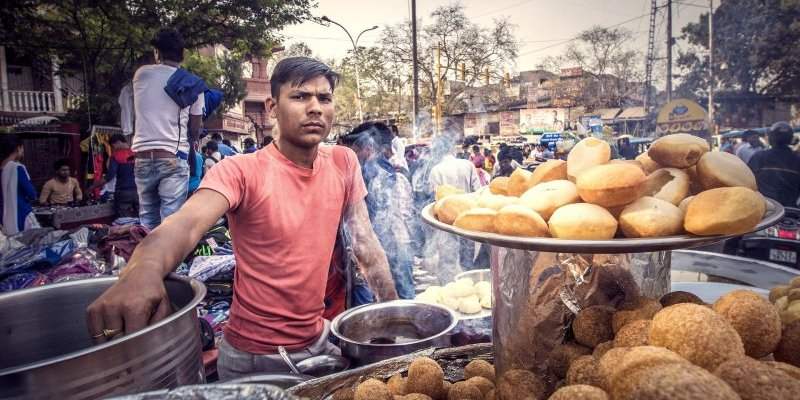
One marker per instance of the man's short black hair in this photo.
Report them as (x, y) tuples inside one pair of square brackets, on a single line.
[(266, 141), (212, 145), (117, 138), (299, 70), (216, 137), (60, 163), (170, 44), (249, 142), (9, 143), (227, 142), (476, 148), (380, 133), (780, 134)]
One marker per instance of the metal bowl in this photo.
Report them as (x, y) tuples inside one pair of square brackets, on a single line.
[(773, 214), (47, 352), (376, 332)]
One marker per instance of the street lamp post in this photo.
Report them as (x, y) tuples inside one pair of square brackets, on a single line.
[(356, 53)]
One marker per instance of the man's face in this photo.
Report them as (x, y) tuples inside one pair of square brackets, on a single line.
[(505, 164), (753, 140), (304, 113), (63, 172)]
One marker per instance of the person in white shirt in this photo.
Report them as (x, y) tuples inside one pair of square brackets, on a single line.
[(161, 134), (462, 174)]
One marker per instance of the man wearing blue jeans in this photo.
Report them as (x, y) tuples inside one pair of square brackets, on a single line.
[(162, 133)]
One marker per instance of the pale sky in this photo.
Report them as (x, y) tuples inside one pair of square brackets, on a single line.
[(544, 27)]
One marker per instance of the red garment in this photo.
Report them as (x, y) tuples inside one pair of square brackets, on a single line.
[(123, 156), (336, 289), (285, 219)]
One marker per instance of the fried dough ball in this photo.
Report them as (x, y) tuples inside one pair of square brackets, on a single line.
[(464, 391), (583, 371), (633, 334), (788, 350), (778, 291), (678, 381), (788, 369), (638, 358), (602, 348), (678, 297), (479, 368), (445, 190), (697, 333), (446, 385), (520, 384), (637, 309), (563, 355), (347, 393), (483, 384), (579, 392), (592, 325), (416, 396), (754, 318), (608, 362), (397, 385), (425, 376), (373, 389), (795, 282), (753, 380), (491, 395), (499, 185)]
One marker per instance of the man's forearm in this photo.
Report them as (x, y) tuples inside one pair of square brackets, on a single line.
[(375, 268), (162, 250)]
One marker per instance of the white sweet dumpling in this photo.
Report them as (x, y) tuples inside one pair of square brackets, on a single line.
[(465, 281), (435, 291), (469, 305), (427, 297), (451, 302), (483, 287), (459, 289), (486, 302)]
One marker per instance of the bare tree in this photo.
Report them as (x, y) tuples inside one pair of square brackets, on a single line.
[(460, 42)]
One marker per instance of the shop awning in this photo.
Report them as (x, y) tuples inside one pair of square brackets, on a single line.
[(633, 113), (607, 114)]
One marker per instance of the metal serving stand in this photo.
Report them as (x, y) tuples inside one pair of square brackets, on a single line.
[(540, 283)]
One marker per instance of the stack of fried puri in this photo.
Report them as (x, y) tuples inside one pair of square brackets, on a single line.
[(678, 186)]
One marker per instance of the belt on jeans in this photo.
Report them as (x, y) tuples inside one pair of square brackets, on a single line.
[(154, 154)]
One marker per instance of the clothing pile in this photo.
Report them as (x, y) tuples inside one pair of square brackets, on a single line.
[(42, 256), (212, 262)]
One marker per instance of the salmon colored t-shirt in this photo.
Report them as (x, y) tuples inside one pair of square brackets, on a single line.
[(283, 220)]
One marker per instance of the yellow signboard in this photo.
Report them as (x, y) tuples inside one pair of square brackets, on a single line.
[(681, 115)]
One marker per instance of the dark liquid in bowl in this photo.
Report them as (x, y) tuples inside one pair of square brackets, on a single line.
[(393, 340)]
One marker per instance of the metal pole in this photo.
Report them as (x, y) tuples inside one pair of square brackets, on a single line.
[(711, 121), (358, 61), (414, 67), (669, 50)]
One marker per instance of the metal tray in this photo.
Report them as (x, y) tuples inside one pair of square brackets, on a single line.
[(773, 214)]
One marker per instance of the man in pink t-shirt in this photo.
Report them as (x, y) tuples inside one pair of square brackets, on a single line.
[(284, 205)]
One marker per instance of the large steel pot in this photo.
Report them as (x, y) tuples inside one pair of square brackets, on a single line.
[(46, 351), (376, 332)]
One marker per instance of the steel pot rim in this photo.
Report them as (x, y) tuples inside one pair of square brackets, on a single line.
[(198, 290), (337, 321)]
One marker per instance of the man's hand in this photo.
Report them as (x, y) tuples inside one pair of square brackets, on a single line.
[(368, 252), (137, 300), (139, 297)]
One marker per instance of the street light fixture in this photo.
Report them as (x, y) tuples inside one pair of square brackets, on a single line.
[(356, 53)]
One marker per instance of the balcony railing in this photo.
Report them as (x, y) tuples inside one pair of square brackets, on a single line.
[(29, 101)]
